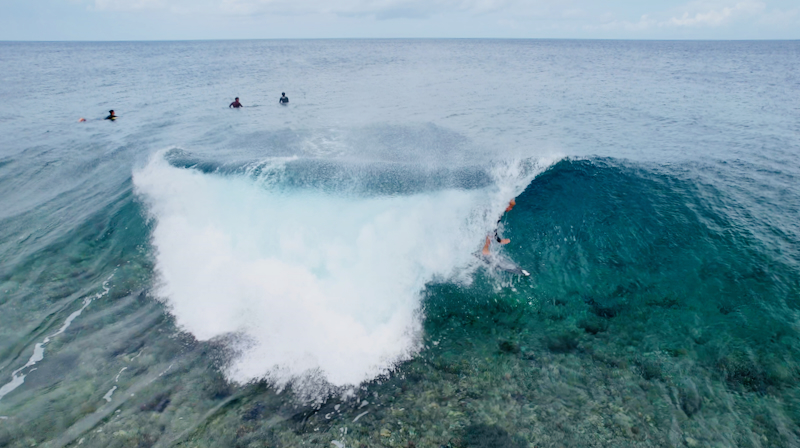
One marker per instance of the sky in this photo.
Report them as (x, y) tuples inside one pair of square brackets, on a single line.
[(57, 20)]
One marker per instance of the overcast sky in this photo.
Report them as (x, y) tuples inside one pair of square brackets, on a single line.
[(264, 19)]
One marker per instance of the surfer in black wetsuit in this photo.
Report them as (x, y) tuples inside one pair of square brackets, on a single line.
[(111, 115), (497, 238), (235, 104), (284, 99)]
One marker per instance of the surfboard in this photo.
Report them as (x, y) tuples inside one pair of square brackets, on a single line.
[(503, 263)]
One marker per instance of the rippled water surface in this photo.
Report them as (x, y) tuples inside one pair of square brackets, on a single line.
[(306, 275)]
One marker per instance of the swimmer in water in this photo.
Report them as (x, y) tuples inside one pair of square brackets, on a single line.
[(111, 115), (235, 104), (284, 99), (502, 241)]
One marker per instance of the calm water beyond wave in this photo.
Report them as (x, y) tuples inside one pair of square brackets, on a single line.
[(306, 275)]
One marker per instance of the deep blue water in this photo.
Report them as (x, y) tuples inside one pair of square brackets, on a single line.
[(300, 275)]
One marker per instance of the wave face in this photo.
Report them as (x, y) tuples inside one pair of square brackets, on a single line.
[(310, 282)]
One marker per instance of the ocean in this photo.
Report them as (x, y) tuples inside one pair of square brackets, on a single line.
[(309, 275)]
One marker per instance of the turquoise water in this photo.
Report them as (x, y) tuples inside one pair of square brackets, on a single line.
[(192, 275)]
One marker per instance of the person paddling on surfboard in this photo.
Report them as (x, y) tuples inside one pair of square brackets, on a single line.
[(497, 238), (111, 115)]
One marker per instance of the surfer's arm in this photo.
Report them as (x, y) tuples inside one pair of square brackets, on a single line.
[(500, 240)]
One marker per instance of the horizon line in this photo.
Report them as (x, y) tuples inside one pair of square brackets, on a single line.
[(396, 38)]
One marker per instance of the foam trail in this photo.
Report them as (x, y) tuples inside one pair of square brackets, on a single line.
[(18, 378), (108, 394), (313, 282)]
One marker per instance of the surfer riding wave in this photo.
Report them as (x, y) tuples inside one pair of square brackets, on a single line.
[(501, 241)]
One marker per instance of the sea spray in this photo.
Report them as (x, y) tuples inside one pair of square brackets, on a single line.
[(310, 282)]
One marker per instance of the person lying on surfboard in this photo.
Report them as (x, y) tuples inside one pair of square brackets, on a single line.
[(497, 238)]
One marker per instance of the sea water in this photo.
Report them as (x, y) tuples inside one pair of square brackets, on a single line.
[(305, 275)]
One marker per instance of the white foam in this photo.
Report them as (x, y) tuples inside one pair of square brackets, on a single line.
[(313, 282), (16, 380), (108, 394), (17, 377)]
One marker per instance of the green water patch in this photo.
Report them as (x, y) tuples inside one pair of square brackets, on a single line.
[(632, 250), (641, 325)]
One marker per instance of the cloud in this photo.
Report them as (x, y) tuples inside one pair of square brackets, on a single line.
[(381, 9), (698, 14), (781, 18), (574, 13), (130, 5), (527, 18), (610, 24), (173, 6), (717, 16)]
